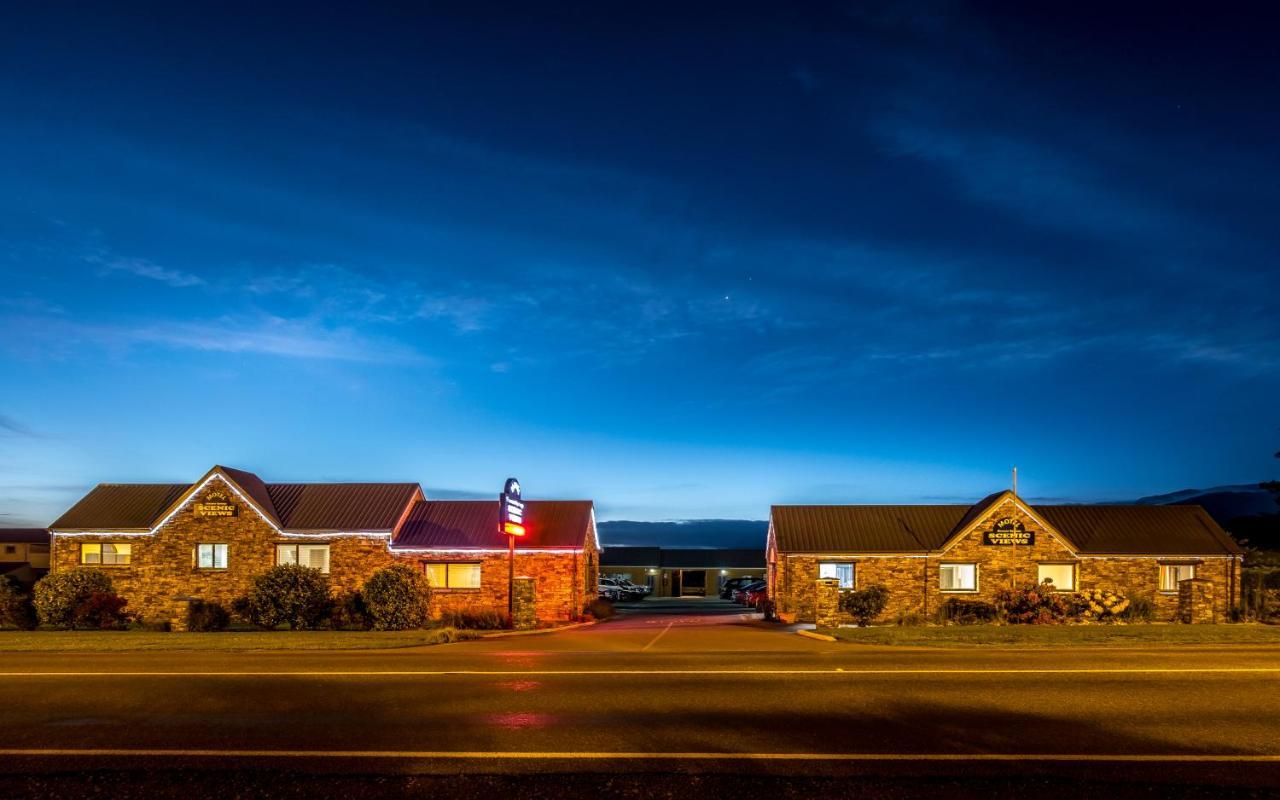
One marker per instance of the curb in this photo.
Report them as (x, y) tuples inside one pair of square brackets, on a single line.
[(539, 631), (821, 637)]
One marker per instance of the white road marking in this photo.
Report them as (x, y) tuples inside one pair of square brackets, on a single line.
[(655, 639), (118, 752), (626, 672)]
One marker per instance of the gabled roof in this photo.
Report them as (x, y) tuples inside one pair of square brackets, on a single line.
[(310, 507), (1090, 529), (24, 535), (473, 525)]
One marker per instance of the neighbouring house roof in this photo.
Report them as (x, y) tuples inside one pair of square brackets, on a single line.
[(683, 557), (473, 525), (1091, 529), (290, 506), (24, 536)]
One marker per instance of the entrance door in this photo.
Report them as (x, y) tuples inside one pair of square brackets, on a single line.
[(693, 583)]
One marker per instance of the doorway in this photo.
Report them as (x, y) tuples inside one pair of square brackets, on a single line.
[(690, 583)]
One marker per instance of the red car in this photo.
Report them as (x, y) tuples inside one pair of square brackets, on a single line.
[(740, 594), (756, 596)]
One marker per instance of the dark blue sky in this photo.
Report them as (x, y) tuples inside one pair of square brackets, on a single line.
[(686, 263)]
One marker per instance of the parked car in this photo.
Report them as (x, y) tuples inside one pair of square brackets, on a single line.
[(740, 594), (726, 591), (643, 591), (756, 596), (622, 590), (607, 591)]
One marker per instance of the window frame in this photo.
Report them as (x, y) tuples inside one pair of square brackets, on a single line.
[(1164, 567), (448, 574), (128, 554), (297, 553), (1075, 574), (976, 576), (213, 566), (853, 573)]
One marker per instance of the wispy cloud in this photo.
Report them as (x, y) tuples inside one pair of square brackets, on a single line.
[(142, 268), (10, 426)]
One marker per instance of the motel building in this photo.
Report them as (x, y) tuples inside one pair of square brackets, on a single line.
[(682, 571), (1176, 556), (164, 544)]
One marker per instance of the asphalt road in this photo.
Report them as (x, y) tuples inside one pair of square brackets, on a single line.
[(667, 693)]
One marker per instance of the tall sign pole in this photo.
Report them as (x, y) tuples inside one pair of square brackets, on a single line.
[(511, 525)]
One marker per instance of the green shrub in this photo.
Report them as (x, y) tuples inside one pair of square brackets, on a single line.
[(956, 611), (909, 619), (349, 612), (398, 598), (101, 611), (203, 617), (16, 610), (1033, 605), (58, 595), (866, 604), (1141, 609), (475, 620), (1102, 605), (600, 608), (287, 594)]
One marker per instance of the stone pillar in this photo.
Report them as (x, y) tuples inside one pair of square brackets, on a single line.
[(179, 613), (1195, 601), (826, 603), (524, 615)]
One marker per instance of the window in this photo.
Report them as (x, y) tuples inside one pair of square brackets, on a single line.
[(452, 576), (10, 549), (841, 572), (107, 554), (211, 556), (958, 577), (1172, 574), (315, 556), (1062, 576)]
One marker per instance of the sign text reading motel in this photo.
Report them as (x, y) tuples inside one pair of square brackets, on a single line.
[(1008, 531)]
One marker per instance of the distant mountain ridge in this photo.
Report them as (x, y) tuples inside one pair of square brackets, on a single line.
[(1224, 503)]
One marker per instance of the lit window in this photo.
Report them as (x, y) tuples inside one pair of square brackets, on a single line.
[(841, 572), (108, 554), (1062, 576), (315, 556), (958, 577), (211, 556), (444, 575), (1173, 574)]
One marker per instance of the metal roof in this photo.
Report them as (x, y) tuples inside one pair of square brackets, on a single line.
[(473, 525), (1093, 529), (120, 507), (24, 535)]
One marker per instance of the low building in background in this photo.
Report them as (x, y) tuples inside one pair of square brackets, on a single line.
[(208, 540), (682, 571), (24, 554), (926, 555)]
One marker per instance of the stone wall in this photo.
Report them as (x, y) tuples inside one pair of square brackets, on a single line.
[(914, 585), (556, 578)]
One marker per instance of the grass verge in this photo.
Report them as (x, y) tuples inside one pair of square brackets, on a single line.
[(226, 641), (1057, 635)]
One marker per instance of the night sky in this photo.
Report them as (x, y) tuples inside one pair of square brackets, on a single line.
[(687, 263)]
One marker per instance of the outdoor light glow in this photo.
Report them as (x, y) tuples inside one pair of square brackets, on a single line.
[(513, 529)]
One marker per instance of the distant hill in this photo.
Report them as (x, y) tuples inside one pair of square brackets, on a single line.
[(1224, 503), (741, 533)]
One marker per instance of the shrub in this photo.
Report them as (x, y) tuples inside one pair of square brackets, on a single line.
[(349, 612), (101, 611), (205, 617), (15, 606), (475, 620), (966, 612), (287, 594), (58, 595), (1102, 605), (865, 604), (600, 609), (908, 619), (1141, 609), (1033, 605), (398, 598)]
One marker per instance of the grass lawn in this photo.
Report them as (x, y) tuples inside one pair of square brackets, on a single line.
[(122, 641), (1056, 635)]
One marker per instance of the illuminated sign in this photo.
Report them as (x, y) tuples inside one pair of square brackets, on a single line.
[(511, 509), (1008, 531), (216, 504)]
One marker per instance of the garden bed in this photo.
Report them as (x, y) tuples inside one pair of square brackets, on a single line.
[(1057, 635)]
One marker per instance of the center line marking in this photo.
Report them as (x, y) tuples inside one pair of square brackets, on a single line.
[(655, 639), (837, 671)]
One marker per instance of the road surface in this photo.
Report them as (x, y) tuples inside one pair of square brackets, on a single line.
[(681, 692)]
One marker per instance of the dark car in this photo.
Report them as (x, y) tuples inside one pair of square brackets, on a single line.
[(726, 591), (740, 594)]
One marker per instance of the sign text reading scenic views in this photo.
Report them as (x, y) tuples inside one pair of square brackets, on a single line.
[(1010, 531)]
